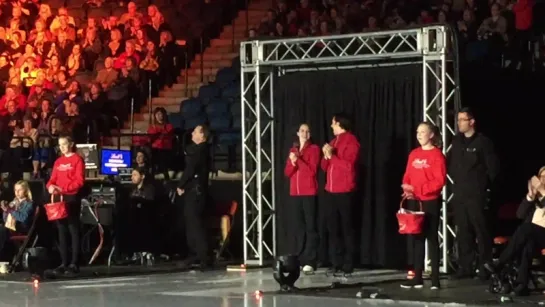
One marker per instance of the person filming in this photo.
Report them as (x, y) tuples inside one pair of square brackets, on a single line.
[(529, 236), (67, 181), (301, 169), (339, 162), (425, 177)]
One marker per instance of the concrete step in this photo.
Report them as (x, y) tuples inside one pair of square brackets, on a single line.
[(209, 65), (219, 49), (182, 93), (222, 42), (252, 13), (181, 86), (238, 29), (193, 79), (238, 35), (163, 101), (208, 71), (252, 21), (216, 56), (260, 6)]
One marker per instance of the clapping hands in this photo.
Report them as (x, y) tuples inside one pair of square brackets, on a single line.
[(293, 157), (328, 151)]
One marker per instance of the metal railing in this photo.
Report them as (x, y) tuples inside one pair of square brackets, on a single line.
[(149, 136)]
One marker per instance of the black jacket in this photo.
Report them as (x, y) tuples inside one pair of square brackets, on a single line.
[(526, 209), (473, 165), (196, 167)]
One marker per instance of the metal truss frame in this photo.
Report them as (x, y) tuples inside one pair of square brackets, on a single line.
[(261, 61)]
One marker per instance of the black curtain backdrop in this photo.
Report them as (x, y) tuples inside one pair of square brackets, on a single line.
[(385, 106)]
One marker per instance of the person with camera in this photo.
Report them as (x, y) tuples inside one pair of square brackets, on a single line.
[(424, 179), (529, 236), (339, 163), (301, 169)]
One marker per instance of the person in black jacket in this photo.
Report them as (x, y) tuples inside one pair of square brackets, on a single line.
[(193, 186), (473, 166), (529, 236)]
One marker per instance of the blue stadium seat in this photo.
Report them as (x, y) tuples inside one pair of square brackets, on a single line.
[(235, 64), (235, 109), (219, 123), (209, 92), (231, 91), (176, 119), (225, 76), (217, 107), (230, 138), (191, 107), (192, 122)]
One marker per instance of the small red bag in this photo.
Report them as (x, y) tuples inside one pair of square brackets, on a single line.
[(410, 222), (56, 210)]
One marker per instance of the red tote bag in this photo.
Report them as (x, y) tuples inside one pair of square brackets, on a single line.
[(56, 210), (410, 222)]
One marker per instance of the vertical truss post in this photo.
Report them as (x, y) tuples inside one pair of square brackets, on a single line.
[(439, 93), (258, 200)]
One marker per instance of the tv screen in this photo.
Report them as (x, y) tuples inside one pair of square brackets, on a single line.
[(89, 153), (112, 160)]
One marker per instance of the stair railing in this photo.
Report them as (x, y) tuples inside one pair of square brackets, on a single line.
[(132, 115), (186, 72), (150, 100)]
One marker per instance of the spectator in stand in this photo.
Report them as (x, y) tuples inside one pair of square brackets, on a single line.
[(45, 15), (131, 15), (522, 54), (130, 52), (62, 82), (161, 138), (42, 151), (116, 46), (17, 215), (76, 62), (150, 67), (39, 94), (108, 75), (142, 161), (72, 94), (56, 22), (92, 48), (167, 62), (12, 94)]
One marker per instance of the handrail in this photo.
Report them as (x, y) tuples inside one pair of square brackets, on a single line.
[(150, 100), (132, 114)]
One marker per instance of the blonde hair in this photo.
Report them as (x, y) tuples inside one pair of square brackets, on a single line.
[(24, 185), (541, 170)]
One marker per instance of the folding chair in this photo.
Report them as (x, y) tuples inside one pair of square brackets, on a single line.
[(25, 241)]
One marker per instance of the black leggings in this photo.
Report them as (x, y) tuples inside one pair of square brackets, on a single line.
[(417, 243), (303, 236), (71, 225)]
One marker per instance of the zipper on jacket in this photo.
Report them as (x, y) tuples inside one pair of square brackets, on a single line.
[(331, 171)]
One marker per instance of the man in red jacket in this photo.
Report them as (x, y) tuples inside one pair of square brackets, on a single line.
[(339, 162)]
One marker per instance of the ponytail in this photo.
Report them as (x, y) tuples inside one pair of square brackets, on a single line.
[(436, 140)]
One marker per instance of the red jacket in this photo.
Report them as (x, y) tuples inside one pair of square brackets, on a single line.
[(68, 174), (162, 136), (302, 175), (426, 172), (341, 168), (523, 14)]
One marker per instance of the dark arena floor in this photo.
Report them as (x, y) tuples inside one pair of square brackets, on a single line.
[(169, 285)]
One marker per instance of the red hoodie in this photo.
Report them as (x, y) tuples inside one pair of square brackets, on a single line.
[(523, 14), (162, 136), (302, 175), (20, 100), (68, 174), (426, 172), (341, 168)]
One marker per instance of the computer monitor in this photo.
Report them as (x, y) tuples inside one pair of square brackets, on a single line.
[(89, 153), (113, 159)]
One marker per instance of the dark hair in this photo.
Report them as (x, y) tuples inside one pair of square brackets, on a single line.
[(141, 170), (296, 143), (205, 131), (162, 111), (436, 139), (468, 111), (343, 121)]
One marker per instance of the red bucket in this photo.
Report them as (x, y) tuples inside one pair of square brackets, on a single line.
[(410, 222), (56, 210)]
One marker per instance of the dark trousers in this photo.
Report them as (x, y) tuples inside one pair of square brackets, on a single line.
[(70, 225), (522, 49), (471, 223), (525, 241), (417, 243), (341, 230), (303, 234), (194, 208)]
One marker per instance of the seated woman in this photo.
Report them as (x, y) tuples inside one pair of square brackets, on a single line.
[(17, 214), (142, 161), (138, 217), (529, 237)]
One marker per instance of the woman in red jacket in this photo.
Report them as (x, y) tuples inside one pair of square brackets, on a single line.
[(301, 168), (161, 137), (423, 182), (67, 180)]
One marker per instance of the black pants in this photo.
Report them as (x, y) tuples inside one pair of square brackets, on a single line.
[(5, 252), (341, 230), (417, 243), (162, 159), (194, 208), (471, 223), (70, 225), (525, 241), (303, 234), (141, 225)]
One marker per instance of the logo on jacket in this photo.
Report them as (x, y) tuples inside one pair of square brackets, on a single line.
[(420, 163), (64, 167)]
